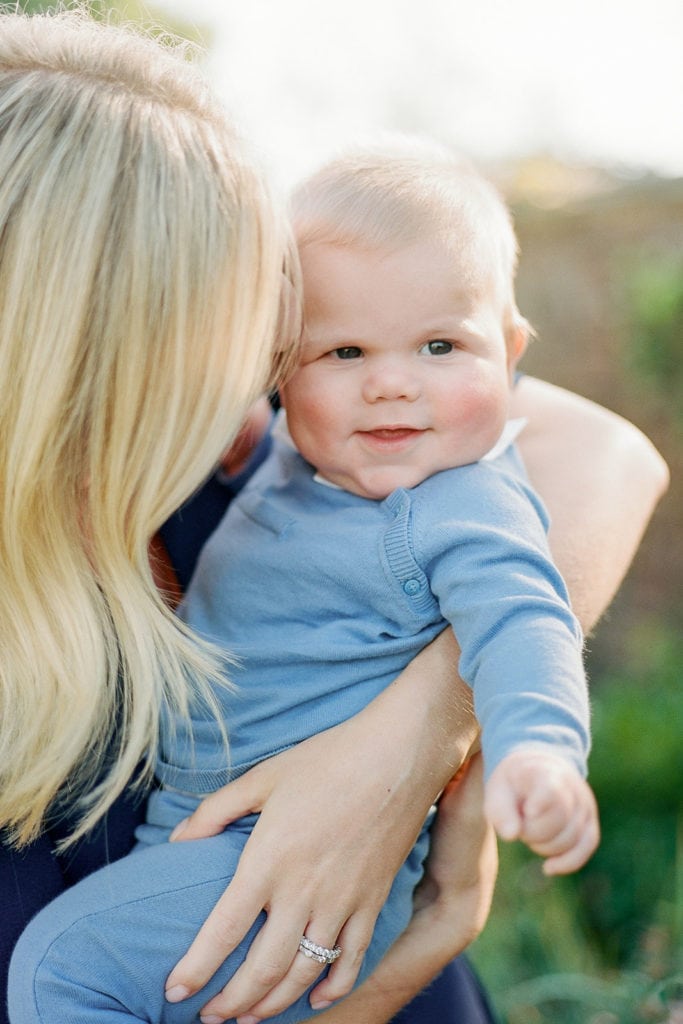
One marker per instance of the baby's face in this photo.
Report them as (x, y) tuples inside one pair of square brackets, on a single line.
[(404, 369)]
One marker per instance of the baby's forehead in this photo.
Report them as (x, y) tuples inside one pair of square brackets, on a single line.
[(468, 259)]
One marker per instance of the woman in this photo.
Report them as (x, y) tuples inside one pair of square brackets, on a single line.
[(141, 266), (141, 272)]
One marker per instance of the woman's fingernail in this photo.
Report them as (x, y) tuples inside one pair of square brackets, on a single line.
[(176, 993), (178, 830), (321, 1005), (211, 1019)]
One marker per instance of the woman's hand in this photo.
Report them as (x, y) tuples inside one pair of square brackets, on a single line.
[(338, 815), (451, 907)]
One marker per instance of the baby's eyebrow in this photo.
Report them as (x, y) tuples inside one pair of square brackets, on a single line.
[(331, 341), (315, 340), (319, 345)]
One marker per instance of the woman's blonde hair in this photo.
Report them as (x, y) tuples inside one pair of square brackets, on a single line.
[(141, 270), (401, 189)]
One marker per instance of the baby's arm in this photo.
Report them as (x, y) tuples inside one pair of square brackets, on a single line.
[(479, 538), (542, 799), (490, 569), (599, 477)]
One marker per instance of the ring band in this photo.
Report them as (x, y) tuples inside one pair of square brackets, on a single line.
[(321, 954)]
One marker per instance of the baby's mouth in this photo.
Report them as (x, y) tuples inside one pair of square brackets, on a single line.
[(391, 436)]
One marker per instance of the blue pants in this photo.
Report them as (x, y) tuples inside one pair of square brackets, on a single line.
[(104, 948)]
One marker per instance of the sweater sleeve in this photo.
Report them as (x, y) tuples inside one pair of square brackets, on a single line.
[(482, 542)]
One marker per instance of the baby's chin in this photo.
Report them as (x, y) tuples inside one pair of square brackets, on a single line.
[(379, 483)]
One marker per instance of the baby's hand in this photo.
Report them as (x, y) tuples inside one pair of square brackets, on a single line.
[(542, 799)]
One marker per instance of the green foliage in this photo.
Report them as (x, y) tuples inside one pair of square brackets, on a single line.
[(630, 998), (605, 946), (636, 770), (654, 310)]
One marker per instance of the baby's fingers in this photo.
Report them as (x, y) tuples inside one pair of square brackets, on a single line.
[(566, 833), (501, 808), (575, 857), (551, 821)]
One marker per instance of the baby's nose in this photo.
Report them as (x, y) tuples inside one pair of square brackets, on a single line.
[(391, 382)]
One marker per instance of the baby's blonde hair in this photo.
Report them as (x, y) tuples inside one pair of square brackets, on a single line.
[(402, 190), (141, 269)]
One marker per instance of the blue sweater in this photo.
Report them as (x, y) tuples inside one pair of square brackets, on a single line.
[(323, 597)]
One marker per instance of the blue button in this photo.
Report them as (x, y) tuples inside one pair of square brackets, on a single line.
[(412, 587)]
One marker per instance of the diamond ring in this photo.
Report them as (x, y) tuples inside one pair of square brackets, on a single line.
[(321, 954)]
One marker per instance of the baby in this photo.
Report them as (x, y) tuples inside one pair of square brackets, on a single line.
[(412, 338), (392, 505)]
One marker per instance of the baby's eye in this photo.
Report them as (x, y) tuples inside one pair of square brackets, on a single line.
[(348, 352), (438, 347)]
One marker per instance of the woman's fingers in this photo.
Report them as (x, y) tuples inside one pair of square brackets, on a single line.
[(240, 904), (273, 956), (354, 940), (301, 973), (221, 933), (237, 799), (458, 886), (451, 908)]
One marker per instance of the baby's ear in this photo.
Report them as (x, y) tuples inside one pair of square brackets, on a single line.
[(518, 335)]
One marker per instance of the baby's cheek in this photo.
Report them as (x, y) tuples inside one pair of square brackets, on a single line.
[(483, 409)]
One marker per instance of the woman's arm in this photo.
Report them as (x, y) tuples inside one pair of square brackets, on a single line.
[(370, 781), (451, 907), (359, 794), (600, 478)]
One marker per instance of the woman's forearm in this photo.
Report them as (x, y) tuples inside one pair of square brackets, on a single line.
[(431, 706), (600, 479)]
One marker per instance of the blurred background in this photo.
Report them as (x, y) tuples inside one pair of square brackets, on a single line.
[(576, 111)]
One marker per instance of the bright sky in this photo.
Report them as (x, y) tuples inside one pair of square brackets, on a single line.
[(596, 81)]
